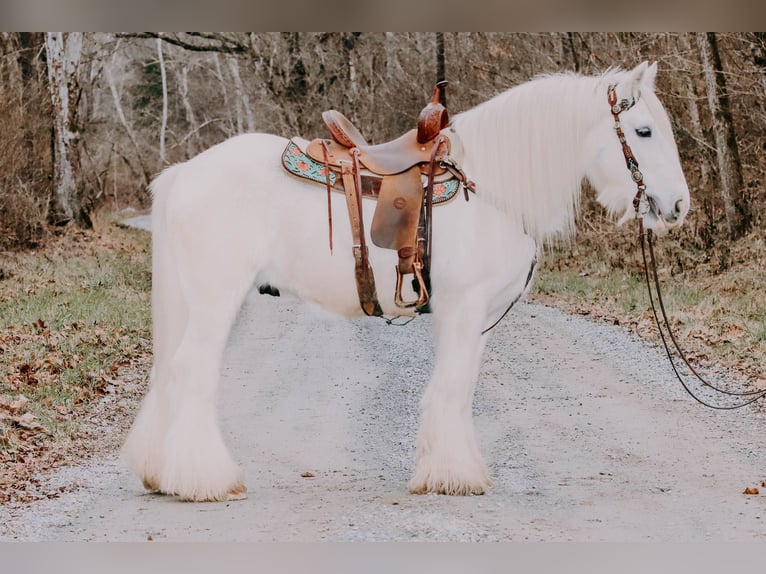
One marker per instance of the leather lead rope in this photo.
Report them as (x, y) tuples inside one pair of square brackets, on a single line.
[(641, 205), (751, 396), (514, 301)]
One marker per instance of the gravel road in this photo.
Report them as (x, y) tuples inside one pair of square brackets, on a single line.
[(587, 436)]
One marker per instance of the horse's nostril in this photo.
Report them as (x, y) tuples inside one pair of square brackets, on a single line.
[(675, 214)]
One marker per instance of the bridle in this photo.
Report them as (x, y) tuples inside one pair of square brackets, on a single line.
[(630, 160), (641, 204)]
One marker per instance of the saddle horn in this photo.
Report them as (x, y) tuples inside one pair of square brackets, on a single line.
[(434, 117)]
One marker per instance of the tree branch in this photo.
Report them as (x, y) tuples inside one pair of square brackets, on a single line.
[(223, 43)]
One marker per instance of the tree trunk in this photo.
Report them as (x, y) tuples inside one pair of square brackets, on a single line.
[(32, 85), (164, 121), (243, 101), (441, 65), (193, 137), (218, 71), (570, 45), (697, 133), (393, 66), (63, 51), (123, 120), (425, 48), (738, 217), (759, 54)]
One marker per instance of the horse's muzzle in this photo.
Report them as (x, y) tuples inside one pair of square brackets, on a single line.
[(669, 216)]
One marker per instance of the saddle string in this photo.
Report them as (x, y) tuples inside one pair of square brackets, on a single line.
[(326, 151), (642, 206)]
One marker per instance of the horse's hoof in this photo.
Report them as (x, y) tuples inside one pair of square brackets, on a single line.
[(451, 484), (238, 492), (150, 484), (451, 490)]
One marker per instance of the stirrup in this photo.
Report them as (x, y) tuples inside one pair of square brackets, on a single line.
[(423, 292)]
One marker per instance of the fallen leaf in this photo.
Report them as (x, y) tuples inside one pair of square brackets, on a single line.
[(28, 421), (19, 404), (749, 490), (9, 404)]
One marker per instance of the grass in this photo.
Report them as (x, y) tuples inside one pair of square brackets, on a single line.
[(74, 317), (620, 290), (758, 332), (716, 301)]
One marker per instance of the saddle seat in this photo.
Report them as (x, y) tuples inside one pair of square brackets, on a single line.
[(389, 158)]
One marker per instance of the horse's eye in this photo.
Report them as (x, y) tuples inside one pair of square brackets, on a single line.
[(644, 132)]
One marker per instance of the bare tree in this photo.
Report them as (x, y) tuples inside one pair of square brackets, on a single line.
[(192, 138), (132, 137), (63, 52), (195, 89), (441, 64), (25, 160), (738, 217), (164, 122), (245, 121), (696, 132)]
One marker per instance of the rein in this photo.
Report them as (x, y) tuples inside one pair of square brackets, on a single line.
[(641, 203)]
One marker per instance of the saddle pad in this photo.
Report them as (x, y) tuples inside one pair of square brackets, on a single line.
[(295, 161)]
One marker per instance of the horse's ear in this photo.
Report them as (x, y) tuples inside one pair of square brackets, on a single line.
[(647, 79), (642, 76)]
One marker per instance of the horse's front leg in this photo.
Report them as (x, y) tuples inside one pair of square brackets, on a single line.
[(448, 457)]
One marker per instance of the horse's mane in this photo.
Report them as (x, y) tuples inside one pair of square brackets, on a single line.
[(522, 148)]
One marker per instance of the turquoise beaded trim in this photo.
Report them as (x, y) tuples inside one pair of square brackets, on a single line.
[(298, 163)]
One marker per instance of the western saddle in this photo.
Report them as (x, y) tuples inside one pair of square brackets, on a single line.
[(401, 175)]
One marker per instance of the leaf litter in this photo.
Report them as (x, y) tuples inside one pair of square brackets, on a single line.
[(58, 365)]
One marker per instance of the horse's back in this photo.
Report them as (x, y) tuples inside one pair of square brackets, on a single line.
[(238, 153), (234, 169)]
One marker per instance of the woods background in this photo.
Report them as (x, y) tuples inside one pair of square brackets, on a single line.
[(89, 118)]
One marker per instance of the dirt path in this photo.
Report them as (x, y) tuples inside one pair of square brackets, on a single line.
[(587, 437)]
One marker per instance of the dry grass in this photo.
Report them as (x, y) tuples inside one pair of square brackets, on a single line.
[(25, 165)]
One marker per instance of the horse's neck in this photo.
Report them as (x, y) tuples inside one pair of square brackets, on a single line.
[(524, 150)]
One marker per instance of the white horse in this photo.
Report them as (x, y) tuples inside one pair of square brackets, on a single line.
[(231, 218)]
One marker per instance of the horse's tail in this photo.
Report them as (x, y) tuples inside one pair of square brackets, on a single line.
[(143, 449), (169, 310)]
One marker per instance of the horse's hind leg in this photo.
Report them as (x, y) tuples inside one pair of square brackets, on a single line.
[(448, 457), (200, 281), (197, 464), (143, 447), (143, 450)]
